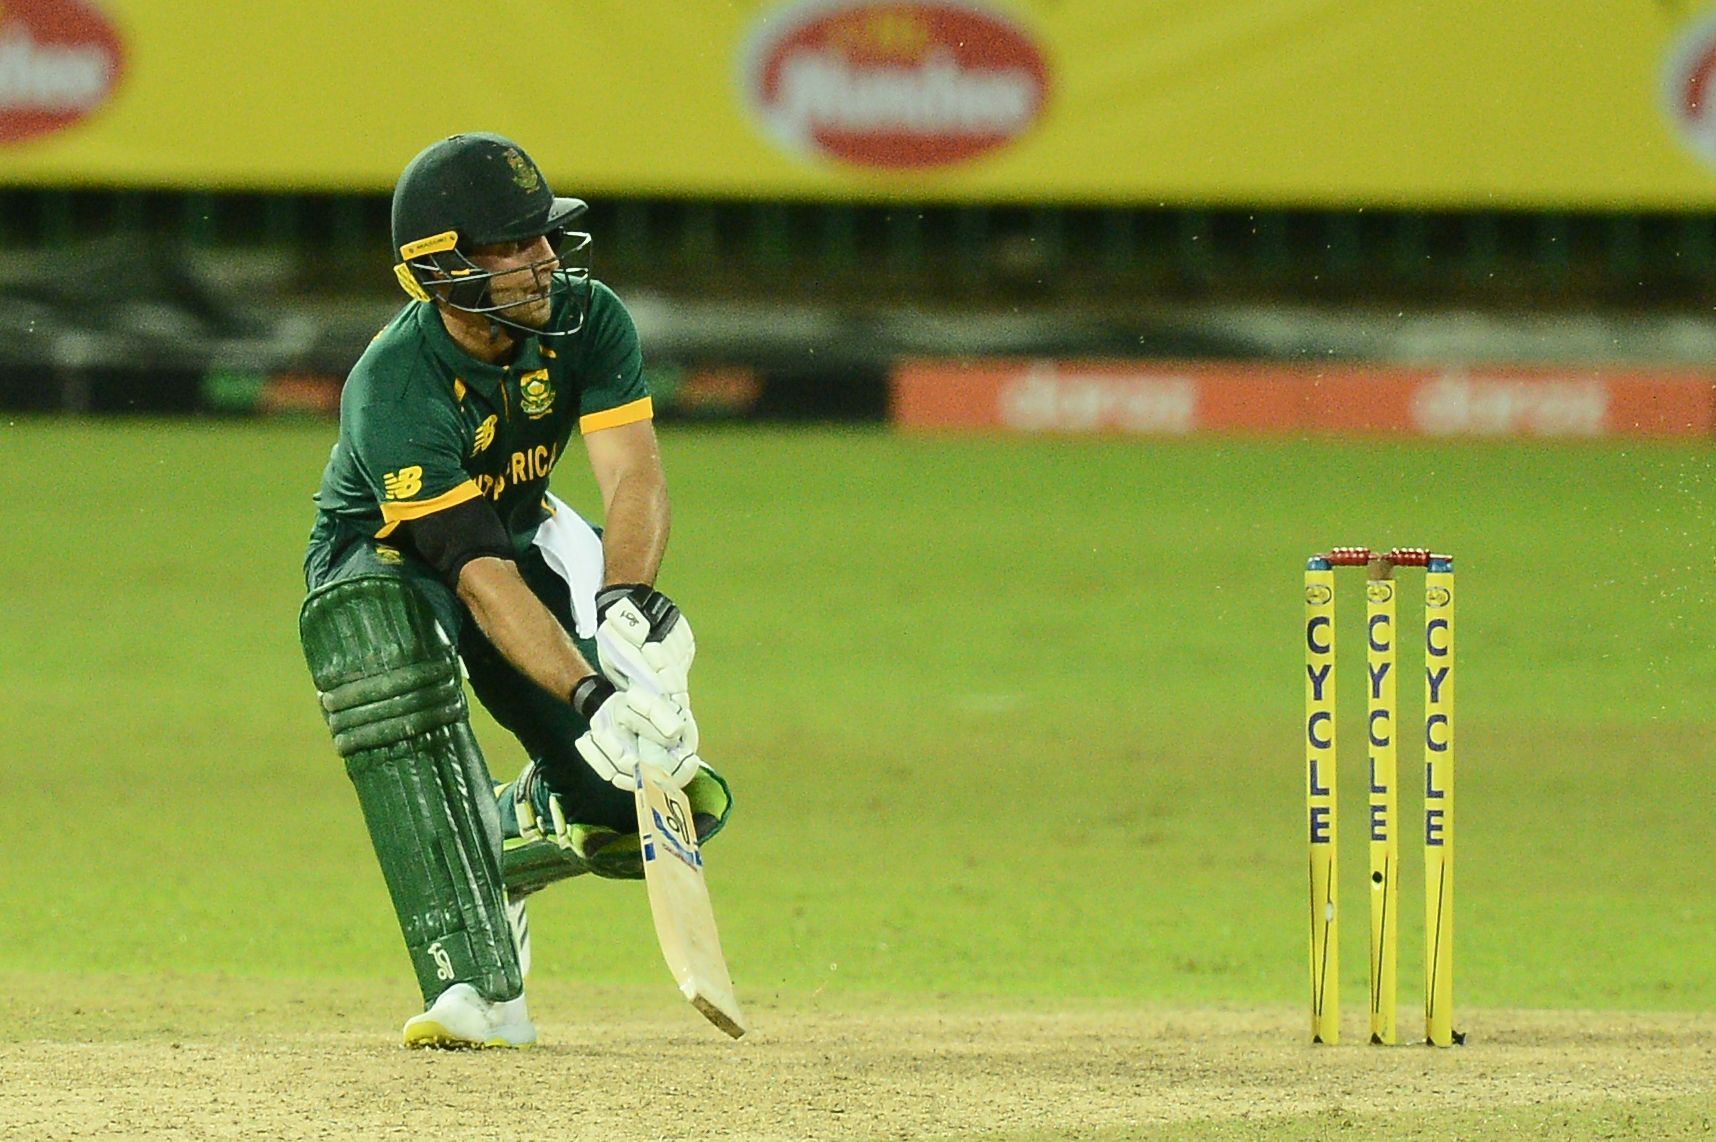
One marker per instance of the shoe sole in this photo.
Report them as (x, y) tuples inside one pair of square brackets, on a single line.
[(433, 1036)]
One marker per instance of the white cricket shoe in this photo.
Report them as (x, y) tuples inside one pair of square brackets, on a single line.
[(461, 1018)]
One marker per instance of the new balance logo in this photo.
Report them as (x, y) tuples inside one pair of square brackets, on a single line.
[(403, 484), (485, 436)]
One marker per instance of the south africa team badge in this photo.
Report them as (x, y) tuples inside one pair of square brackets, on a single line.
[(536, 395)]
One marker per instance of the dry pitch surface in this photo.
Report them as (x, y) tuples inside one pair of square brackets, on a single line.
[(267, 1059)]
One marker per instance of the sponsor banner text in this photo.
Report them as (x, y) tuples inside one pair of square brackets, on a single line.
[(1148, 398)]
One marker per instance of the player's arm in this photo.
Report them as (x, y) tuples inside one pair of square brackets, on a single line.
[(640, 633), (642, 637), (627, 466), (468, 547)]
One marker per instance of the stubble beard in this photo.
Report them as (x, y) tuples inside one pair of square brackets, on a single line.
[(531, 311), (535, 313)]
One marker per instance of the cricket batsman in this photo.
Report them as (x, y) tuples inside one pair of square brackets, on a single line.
[(436, 542)]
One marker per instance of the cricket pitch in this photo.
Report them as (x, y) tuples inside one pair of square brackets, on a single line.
[(211, 1057)]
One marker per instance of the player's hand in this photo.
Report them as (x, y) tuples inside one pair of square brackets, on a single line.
[(645, 643), (620, 721), (644, 640), (678, 765)]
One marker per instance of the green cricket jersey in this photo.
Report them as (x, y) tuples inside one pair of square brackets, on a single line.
[(425, 426)]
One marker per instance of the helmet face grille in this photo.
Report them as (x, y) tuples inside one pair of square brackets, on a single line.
[(451, 278)]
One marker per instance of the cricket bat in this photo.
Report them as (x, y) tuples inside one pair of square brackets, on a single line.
[(679, 900)]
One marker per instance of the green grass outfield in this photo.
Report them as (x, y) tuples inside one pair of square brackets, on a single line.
[(1007, 720)]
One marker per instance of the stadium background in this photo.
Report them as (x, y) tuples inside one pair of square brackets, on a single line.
[(1162, 297), (1384, 182)]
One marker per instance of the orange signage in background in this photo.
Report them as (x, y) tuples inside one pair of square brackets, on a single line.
[(1179, 399), (892, 85), (60, 60)]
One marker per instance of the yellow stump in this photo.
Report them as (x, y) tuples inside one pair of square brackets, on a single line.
[(1320, 799), (1380, 668), (1439, 803)]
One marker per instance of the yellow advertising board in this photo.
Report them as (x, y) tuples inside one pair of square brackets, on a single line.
[(1504, 103)]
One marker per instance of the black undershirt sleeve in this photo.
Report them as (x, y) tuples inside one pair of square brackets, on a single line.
[(450, 538)]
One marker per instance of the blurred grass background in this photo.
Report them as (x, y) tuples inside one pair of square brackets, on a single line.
[(1005, 718)]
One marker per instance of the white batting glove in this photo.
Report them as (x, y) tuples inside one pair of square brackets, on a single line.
[(644, 639), (621, 723), (678, 765), (648, 646)]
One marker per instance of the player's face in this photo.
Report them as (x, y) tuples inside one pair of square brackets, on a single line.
[(522, 277)]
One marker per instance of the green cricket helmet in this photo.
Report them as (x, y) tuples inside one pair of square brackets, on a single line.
[(475, 190)]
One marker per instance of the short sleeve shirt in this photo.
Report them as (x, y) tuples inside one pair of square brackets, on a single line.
[(425, 426)]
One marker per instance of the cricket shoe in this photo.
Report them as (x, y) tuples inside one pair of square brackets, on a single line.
[(460, 1018)]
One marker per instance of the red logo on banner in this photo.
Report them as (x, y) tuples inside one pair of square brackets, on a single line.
[(59, 61), (894, 85), (1689, 88)]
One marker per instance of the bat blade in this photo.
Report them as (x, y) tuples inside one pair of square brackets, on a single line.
[(679, 901)]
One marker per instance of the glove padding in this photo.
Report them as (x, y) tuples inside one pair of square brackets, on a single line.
[(644, 643), (643, 639), (679, 766), (623, 723)]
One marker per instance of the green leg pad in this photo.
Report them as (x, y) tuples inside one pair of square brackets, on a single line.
[(390, 691)]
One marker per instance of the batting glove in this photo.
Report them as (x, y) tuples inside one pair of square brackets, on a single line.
[(679, 765), (648, 645), (642, 637), (620, 722)]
